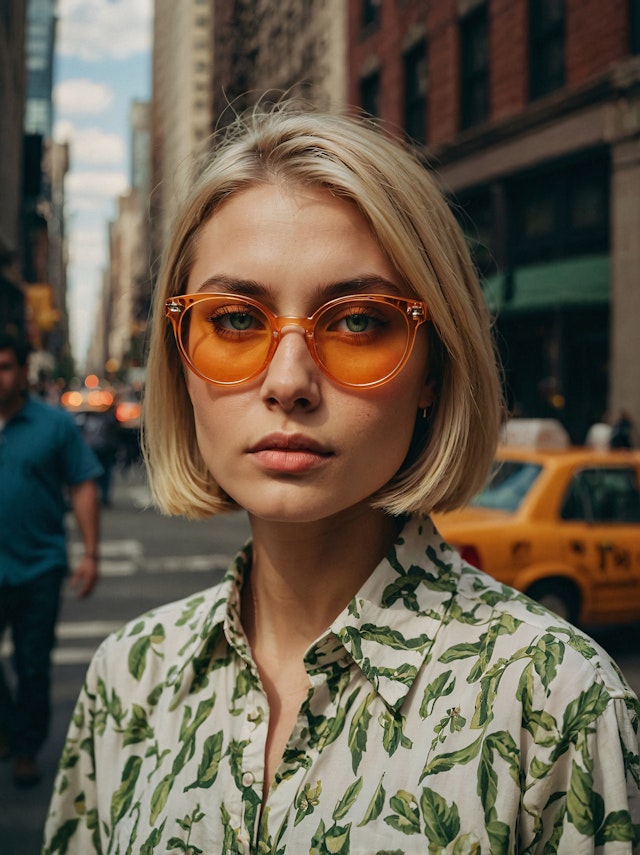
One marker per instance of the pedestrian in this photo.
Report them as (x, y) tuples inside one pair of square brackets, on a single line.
[(99, 428), (321, 357), (622, 431), (44, 465)]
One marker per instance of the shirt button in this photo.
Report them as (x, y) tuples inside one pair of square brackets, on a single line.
[(247, 779)]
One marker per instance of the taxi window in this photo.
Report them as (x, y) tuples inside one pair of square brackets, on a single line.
[(510, 482), (603, 495)]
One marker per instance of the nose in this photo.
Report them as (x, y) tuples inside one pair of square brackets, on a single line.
[(292, 375)]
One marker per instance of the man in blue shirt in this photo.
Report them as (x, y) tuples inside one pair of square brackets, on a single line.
[(44, 465)]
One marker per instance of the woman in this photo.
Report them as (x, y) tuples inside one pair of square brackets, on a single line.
[(321, 357)]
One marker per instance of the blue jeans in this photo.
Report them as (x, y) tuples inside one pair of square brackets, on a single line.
[(31, 611)]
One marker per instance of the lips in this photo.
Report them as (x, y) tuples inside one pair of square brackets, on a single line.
[(289, 453)]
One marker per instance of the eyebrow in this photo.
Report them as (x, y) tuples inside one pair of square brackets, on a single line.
[(366, 283)]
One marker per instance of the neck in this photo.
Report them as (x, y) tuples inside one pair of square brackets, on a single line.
[(12, 405), (303, 576)]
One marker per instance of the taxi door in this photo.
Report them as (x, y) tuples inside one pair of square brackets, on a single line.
[(601, 536)]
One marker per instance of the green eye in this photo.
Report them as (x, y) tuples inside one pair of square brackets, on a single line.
[(357, 323), (240, 321)]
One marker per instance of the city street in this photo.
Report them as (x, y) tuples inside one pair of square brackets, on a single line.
[(148, 560)]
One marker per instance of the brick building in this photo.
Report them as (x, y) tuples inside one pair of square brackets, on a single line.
[(529, 110)]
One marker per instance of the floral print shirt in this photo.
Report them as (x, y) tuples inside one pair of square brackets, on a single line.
[(446, 714)]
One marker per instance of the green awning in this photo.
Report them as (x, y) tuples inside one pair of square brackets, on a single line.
[(570, 282)]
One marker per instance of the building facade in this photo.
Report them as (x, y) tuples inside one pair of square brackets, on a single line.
[(180, 104), (12, 98), (266, 49), (529, 112)]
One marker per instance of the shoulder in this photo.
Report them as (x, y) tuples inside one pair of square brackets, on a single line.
[(558, 657), (164, 640), (43, 414)]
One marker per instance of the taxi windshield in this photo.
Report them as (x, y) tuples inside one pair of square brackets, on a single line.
[(509, 483)]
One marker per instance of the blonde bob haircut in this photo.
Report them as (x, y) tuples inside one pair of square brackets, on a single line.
[(354, 159)]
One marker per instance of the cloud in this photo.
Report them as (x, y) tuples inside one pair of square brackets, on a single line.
[(91, 146), (87, 248), (82, 97), (105, 184), (103, 29)]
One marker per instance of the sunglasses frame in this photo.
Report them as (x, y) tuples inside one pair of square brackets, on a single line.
[(414, 312)]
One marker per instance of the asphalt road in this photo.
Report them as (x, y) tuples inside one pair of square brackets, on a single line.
[(147, 560)]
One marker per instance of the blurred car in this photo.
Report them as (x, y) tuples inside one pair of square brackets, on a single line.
[(128, 412), (561, 524)]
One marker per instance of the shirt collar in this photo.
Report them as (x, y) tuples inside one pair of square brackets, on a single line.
[(391, 624), (387, 629)]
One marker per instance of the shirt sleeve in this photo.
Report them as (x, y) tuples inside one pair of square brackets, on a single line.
[(80, 463), (585, 792), (73, 823)]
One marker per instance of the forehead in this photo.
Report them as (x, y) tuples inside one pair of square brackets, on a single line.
[(270, 233)]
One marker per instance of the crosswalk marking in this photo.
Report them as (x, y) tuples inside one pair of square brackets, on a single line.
[(69, 631), (126, 557), (117, 558)]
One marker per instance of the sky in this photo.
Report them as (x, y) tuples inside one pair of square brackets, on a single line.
[(102, 64)]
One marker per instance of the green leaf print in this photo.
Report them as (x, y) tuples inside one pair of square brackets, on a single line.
[(123, 796), (348, 800), (331, 841), (159, 797), (307, 800), (152, 841), (392, 638), (407, 816), (191, 606), (444, 762), (498, 834), (585, 808), (442, 821), (138, 653), (358, 730), (245, 681), (579, 714), (617, 827), (464, 650), (322, 730), (188, 732), (540, 724), (440, 687), (393, 732), (60, 841), (546, 655), (210, 762), (137, 729), (375, 805), (404, 589)]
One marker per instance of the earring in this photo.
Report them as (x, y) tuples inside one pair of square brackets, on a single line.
[(424, 412)]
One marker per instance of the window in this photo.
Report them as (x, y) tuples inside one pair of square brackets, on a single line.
[(561, 212), (370, 93), (546, 46), (474, 76), (509, 484), (370, 13), (415, 92), (603, 495), (634, 26)]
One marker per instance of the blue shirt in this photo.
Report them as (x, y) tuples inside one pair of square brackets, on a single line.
[(41, 453)]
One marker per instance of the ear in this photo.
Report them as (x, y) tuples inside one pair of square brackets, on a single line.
[(427, 395)]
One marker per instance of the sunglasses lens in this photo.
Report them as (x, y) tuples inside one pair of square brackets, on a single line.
[(362, 342), (226, 341), (358, 341)]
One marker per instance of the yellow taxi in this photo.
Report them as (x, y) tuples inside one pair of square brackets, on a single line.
[(561, 524)]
